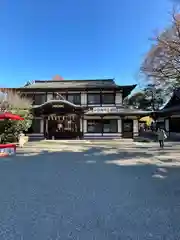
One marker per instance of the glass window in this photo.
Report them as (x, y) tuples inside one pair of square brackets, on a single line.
[(108, 98), (59, 96), (74, 98), (94, 126), (110, 126), (63, 96), (127, 125), (94, 98), (70, 98), (98, 126), (39, 99)]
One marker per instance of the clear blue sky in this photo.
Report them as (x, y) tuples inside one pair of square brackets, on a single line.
[(77, 39)]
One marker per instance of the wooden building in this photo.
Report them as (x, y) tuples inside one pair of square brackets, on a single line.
[(169, 116), (81, 109)]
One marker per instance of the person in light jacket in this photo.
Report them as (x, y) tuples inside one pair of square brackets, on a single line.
[(161, 136), (21, 139)]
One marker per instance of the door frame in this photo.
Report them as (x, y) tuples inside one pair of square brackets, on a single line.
[(127, 134)]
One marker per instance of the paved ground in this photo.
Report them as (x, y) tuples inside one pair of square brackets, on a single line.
[(85, 190)]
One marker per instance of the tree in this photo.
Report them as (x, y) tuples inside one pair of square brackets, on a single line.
[(162, 63), (150, 98), (137, 100), (17, 104)]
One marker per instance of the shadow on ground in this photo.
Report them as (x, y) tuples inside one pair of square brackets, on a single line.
[(88, 193)]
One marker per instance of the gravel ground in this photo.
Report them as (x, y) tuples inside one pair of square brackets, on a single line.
[(88, 192)]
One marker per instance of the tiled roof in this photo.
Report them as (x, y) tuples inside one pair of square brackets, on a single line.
[(123, 110), (72, 84), (173, 101)]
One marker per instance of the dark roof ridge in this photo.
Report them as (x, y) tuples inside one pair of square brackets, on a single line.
[(173, 99), (75, 80)]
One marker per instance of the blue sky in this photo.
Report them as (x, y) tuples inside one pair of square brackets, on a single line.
[(77, 39)]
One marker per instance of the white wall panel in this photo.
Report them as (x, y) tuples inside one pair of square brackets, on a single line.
[(120, 126), (118, 98), (135, 127), (85, 126), (49, 96), (41, 126)]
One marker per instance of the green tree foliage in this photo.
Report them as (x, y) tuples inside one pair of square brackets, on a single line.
[(137, 100), (150, 98), (16, 104)]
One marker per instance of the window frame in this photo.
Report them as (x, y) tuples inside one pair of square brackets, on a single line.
[(43, 98), (102, 123), (108, 94), (74, 94), (116, 125), (93, 94), (95, 120)]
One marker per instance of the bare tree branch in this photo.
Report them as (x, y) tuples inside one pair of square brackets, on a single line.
[(162, 62), (14, 100)]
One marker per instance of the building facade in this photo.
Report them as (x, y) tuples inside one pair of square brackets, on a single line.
[(81, 109), (169, 116)]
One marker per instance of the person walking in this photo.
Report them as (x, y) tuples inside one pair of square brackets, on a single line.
[(161, 136)]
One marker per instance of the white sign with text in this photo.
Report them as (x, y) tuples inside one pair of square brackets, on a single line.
[(105, 110)]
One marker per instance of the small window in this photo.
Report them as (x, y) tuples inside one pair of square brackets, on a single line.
[(108, 98), (74, 98), (59, 96), (94, 98), (94, 126), (39, 99), (110, 126), (99, 126)]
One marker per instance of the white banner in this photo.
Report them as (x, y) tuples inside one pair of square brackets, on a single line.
[(105, 110)]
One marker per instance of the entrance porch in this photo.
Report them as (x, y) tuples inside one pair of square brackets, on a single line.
[(60, 119), (62, 127)]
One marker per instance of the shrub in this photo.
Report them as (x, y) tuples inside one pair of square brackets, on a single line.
[(16, 104)]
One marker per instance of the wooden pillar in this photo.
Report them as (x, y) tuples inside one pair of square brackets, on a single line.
[(166, 125), (85, 126), (78, 119), (49, 96), (135, 128), (82, 121), (120, 127), (42, 126), (81, 124), (102, 125), (83, 98), (118, 98)]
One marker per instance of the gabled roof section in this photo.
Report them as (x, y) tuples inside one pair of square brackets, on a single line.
[(72, 83), (174, 100), (76, 84)]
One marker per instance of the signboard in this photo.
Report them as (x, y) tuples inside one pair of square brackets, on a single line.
[(105, 110), (7, 150), (58, 106)]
